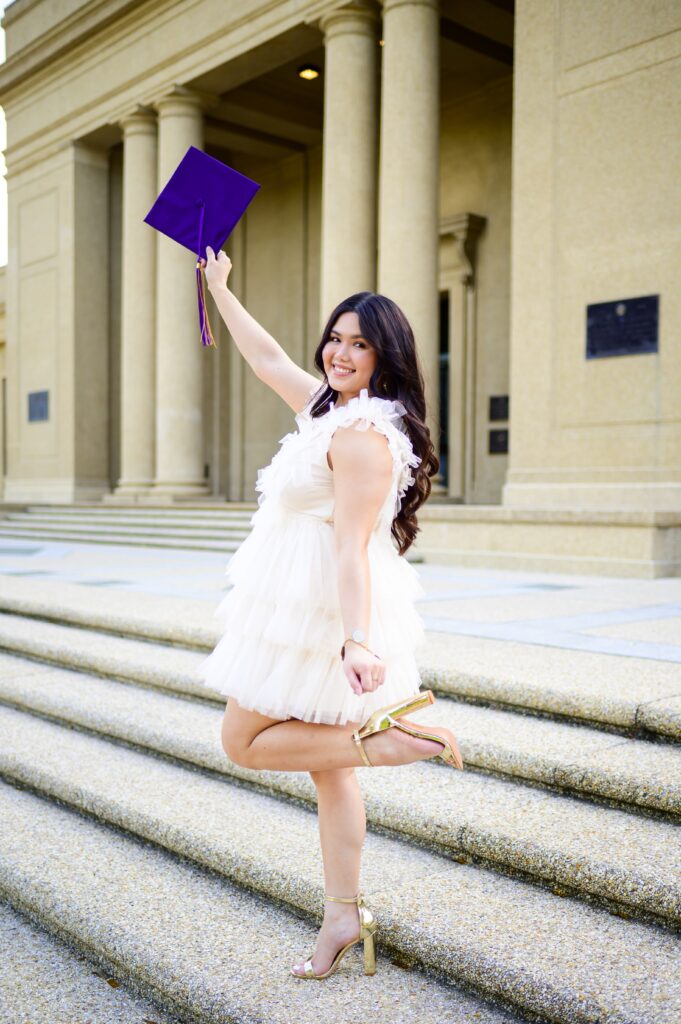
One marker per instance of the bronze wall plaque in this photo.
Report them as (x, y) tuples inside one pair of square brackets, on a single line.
[(622, 328)]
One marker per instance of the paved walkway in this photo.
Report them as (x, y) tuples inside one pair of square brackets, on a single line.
[(606, 614)]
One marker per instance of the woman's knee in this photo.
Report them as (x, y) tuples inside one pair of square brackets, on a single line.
[(233, 742), (239, 729), (332, 777), (233, 746)]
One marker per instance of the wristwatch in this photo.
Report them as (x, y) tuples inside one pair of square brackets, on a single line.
[(358, 636)]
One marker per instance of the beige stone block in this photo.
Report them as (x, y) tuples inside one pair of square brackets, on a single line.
[(619, 24), (38, 228), (38, 365), (628, 544)]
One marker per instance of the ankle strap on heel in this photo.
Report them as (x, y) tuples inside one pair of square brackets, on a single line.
[(363, 754), (345, 899)]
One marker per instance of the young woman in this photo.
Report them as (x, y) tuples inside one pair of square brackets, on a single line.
[(317, 656)]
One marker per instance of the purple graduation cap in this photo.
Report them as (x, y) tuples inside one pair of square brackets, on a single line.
[(201, 205)]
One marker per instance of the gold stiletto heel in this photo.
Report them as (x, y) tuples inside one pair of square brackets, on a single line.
[(369, 955), (388, 717), (367, 930)]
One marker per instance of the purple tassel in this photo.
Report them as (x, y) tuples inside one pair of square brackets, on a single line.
[(206, 333), (207, 338)]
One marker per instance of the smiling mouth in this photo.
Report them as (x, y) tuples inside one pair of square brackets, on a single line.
[(341, 371)]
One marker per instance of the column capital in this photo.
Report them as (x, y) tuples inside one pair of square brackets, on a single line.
[(180, 99), (139, 120), (358, 16), (389, 5), (464, 228)]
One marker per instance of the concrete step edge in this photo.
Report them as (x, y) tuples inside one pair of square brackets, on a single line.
[(655, 719), (189, 939), (200, 507), (149, 542), (47, 981), (117, 528), (140, 514), (657, 789), (551, 759), (545, 857), (578, 975)]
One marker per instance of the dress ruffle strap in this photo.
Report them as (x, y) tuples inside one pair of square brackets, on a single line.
[(386, 415), (291, 464)]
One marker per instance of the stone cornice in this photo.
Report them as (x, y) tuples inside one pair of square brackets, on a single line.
[(61, 38), (144, 85), (95, 15)]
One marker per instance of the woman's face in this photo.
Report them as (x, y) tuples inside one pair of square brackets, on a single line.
[(347, 349)]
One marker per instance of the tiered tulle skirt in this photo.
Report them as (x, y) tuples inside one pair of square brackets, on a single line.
[(282, 627)]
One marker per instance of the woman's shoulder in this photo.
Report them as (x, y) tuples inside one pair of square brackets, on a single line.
[(387, 416), (368, 409)]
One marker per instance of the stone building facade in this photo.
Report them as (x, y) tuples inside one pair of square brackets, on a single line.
[(501, 172)]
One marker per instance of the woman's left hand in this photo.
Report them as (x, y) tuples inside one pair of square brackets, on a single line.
[(365, 671), (217, 268)]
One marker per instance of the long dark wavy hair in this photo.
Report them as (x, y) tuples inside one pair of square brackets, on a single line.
[(397, 376)]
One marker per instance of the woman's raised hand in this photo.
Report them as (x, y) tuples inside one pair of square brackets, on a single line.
[(364, 671), (216, 268)]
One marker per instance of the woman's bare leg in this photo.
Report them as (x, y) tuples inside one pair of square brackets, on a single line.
[(256, 741), (342, 828)]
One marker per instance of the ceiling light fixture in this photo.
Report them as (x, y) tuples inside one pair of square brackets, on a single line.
[(309, 72)]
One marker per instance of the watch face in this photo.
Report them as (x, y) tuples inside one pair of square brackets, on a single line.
[(358, 635)]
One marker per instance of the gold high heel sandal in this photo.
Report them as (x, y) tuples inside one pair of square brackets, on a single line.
[(367, 928), (386, 718)]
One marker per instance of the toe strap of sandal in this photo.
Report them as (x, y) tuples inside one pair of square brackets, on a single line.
[(309, 970)]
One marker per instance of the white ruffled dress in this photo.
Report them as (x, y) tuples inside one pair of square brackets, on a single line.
[(282, 625)]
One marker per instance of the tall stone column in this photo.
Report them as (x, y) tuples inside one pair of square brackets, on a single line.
[(138, 305), (179, 353), (350, 153), (408, 177), (464, 229)]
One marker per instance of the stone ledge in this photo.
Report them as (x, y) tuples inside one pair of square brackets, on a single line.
[(190, 940), (631, 544), (549, 837), (47, 981), (457, 513), (510, 941), (575, 759), (593, 689)]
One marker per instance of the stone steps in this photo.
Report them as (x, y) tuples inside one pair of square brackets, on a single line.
[(127, 527), (571, 757), (45, 981), (102, 514), (529, 949), (633, 697), (572, 845), (628, 695), (118, 537), (191, 528), (217, 531), (517, 881), (225, 511), (203, 529), (188, 938)]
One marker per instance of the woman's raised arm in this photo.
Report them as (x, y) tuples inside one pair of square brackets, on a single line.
[(268, 360)]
